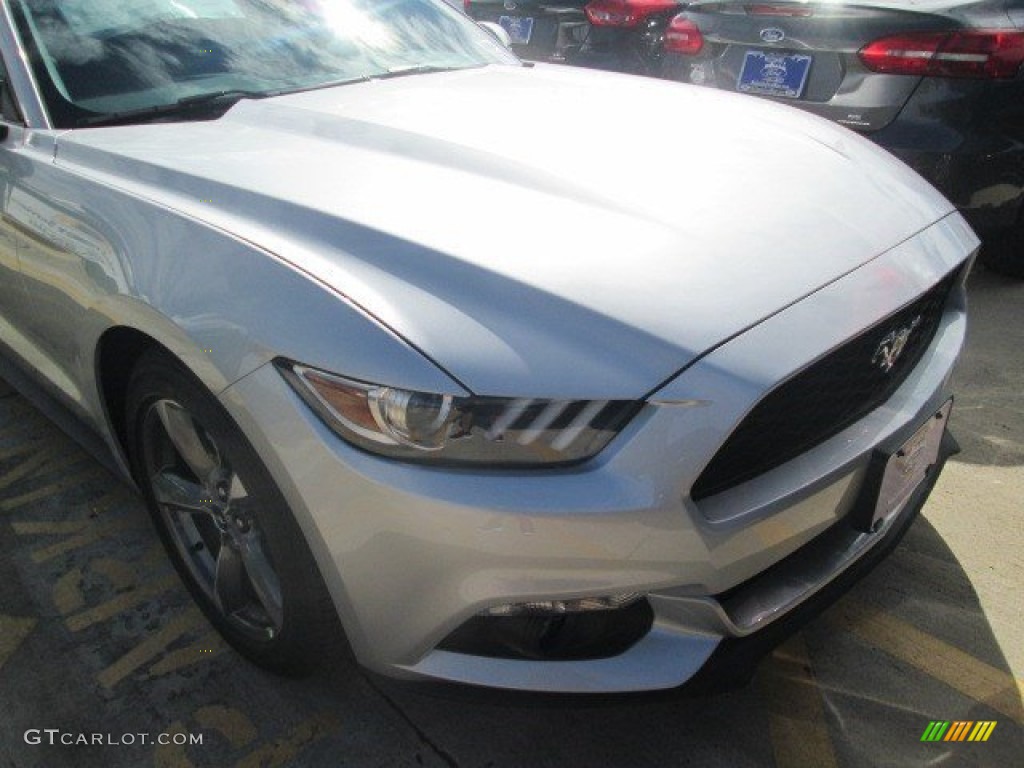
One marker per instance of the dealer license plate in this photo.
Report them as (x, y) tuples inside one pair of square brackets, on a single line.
[(774, 74), (519, 28)]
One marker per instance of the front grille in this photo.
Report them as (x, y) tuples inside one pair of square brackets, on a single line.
[(826, 397)]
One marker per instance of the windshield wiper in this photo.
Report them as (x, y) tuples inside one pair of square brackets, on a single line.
[(321, 86), (416, 69), (223, 100)]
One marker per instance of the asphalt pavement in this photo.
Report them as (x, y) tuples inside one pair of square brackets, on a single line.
[(99, 641)]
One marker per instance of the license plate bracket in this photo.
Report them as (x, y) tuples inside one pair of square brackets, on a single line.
[(773, 73), (894, 474)]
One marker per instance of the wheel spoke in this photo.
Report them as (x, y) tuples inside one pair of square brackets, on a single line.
[(236, 490), (173, 490), (262, 576), (228, 580), (181, 430)]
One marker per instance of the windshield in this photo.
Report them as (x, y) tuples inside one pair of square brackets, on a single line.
[(96, 58)]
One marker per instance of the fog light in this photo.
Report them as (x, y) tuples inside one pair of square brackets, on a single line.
[(555, 630), (557, 607)]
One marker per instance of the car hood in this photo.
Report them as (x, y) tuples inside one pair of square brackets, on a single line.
[(536, 231)]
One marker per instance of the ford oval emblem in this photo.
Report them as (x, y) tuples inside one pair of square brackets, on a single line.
[(773, 35)]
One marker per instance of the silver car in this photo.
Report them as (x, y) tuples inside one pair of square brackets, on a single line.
[(535, 378)]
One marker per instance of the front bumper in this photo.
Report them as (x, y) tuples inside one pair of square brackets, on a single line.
[(410, 553), (735, 658)]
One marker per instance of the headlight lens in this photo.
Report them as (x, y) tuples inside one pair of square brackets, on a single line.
[(423, 426)]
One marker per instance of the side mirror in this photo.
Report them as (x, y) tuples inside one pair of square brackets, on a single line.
[(497, 31)]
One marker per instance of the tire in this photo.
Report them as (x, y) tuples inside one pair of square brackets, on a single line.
[(230, 534), (1004, 253)]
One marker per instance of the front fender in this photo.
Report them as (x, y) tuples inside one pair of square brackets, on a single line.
[(108, 257)]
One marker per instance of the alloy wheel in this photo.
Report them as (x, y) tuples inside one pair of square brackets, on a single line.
[(212, 519)]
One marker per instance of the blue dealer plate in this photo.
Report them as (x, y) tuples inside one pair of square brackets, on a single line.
[(774, 74), (519, 28)]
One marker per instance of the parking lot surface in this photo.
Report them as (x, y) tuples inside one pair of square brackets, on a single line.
[(98, 637)]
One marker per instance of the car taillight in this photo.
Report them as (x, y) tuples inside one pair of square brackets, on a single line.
[(966, 53), (624, 13), (683, 36)]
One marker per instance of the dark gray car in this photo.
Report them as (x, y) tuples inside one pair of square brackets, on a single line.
[(936, 82)]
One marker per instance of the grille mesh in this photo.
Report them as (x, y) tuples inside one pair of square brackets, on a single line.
[(825, 398)]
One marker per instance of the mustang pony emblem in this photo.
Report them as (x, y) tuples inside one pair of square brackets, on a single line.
[(891, 347)]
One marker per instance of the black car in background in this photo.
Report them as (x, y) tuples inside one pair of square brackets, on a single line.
[(937, 82), (617, 35), (537, 31)]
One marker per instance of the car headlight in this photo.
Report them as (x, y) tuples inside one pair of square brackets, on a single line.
[(424, 426)]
